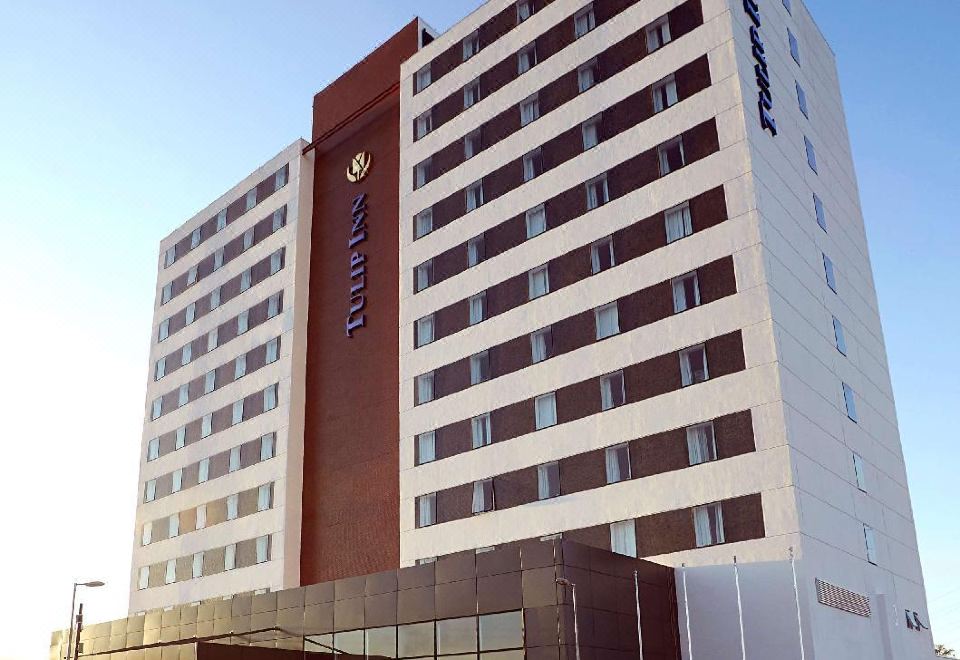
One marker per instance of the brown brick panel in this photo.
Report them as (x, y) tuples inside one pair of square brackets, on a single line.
[(226, 331), (743, 518), (188, 517), (256, 359), (637, 309), (642, 381), (616, 119), (231, 288), (235, 209)]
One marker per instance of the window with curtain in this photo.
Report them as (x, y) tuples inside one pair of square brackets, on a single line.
[(597, 192), (479, 368), (234, 462), (424, 275), (426, 447), (701, 444), (421, 173), (423, 124), (195, 238), (267, 446), (664, 94), (607, 320), (153, 449), (539, 282), (424, 222), (548, 480), (670, 155), (686, 292), (693, 365), (157, 408), (590, 131), (150, 490), (481, 431), (181, 438), (243, 321), (251, 199), (527, 58), (272, 351), (475, 251), (166, 293), (163, 330), (264, 497), (588, 75), (170, 575), (263, 549), (213, 339), (536, 221), (678, 223), (427, 510), (529, 110), (478, 307), (475, 196), (532, 164), (584, 21), (279, 218), (273, 305), (192, 276), (270, 397), (240, 366), (230, 557), (423, 78), (146, 535), (611, 391), (197, 567), (210, 381), (276, 261), (191, 313), (524, 10), (471, 45), (143, 579), (203, 470), (233, 506), (206, 425), (425, 330), (618, 463), (658, 34), (623, 538), (161, 369), (471, 93), (177, 476), (545, 410), (173, 525), (601, 255), (237, 415), (540, 344), (425, 388), (201, 516), (708, 524), (482, 496)]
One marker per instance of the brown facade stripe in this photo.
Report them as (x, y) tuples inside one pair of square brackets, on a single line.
[(631, 175), (226, 331), (231, 250), (706, 210), (255, 359), (250, 453), (246, 555), (229, 290), (649, 455), (655, 303), (221, 420), (235, 209), (216, 512), (641, 381), (609, 63)]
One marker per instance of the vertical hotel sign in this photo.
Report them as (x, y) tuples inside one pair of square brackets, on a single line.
[(356, 317), (765, 103)]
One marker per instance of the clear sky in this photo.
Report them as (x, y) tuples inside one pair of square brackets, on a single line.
[(119, 119)]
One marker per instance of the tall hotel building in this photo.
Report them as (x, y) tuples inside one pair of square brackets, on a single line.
[(570, 272)]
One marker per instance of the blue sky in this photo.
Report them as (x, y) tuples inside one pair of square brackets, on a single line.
[(120, 119)]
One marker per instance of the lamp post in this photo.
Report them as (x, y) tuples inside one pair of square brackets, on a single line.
[(73, 603), (564, 582)]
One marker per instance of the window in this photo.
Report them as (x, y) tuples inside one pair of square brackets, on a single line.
[(479, 368), (170, 574), (263, 549), (173, 525), (206, 425), (859, 472), (821, 214), (471, 46), (802, 101), (471, 93), (181, 438), (157, 409), (201, 516), (213, 339), (270, 397), (150, 490), (811, 154), (197, 568), (273, 305), (708, 524), (426, 447), (166, 293), (240, 367), (195, 238), (693, 366), (218, 259), (192, 276), (623, 538), (664, 94), (237, 412), (251, 199), (584, 21), (169, 256), (532, 164), (475, 251), (611, 391), (597, 192), (701, 444), (423, 223), (423, 125), (545, 410), (829, 273), (538, 282), (190, 314), (153, 449), (840, 339), (221, 219), (215, 298), (601, 255), (230, 557), (480, 431), (424, 331), (246, 279), (423, 78), (267, 446), (658, 34), (870, 541), (587, 75), (482, 496), (536, 221), (524, 10), (529, 110), (183, 395), (671, 156), (421, 173), (787, 6), (618, 463), (548, 480), (850, 402), (276, 262), (425, 388), (278, 219), (678, 223), (590, 130), (203, 470), (233, 463), (177, 480), (264, 497), (273, 351), (161, 369), (143, 579), (248, 239), (608, 320), (527, 58), (794, 46), (472, 144), (163, 331), (233, 506), (426, 510), (478, 308), (541, 342), (686, 292), (475, 196), (146, 536), (243, 321)]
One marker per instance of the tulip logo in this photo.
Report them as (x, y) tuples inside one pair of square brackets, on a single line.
[(359, 167)]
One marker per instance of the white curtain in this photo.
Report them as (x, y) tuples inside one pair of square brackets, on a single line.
[(479, 368), (273, 348), (546, 410), (529, 111), (480, 431), (538, 346), (700, 444), (686, 292), (477, 308), (270, 398), (475, 250), (474, 196), (213, 339), (203, 472), (527, 59), (586, 78), (693, 366), (608, 321), (177, 480), (708, 524), (240, 367), (480, 503), (425, 330), (614, 471), (266, 447), (523, 10), (427, 447), (238, 411), (424, 222), (546, 481), (264, 497), (539, 283), (623, 538), (591, 133), (201, 516), (606, 393), (426, 505), (425, 388), (536, 221)]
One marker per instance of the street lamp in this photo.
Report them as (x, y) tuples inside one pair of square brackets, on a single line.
[(564, 582), (73, 602)]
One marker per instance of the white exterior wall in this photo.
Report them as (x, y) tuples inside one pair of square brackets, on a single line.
[(282, 521)]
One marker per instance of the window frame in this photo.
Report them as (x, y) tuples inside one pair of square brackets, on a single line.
[(598, 317)]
